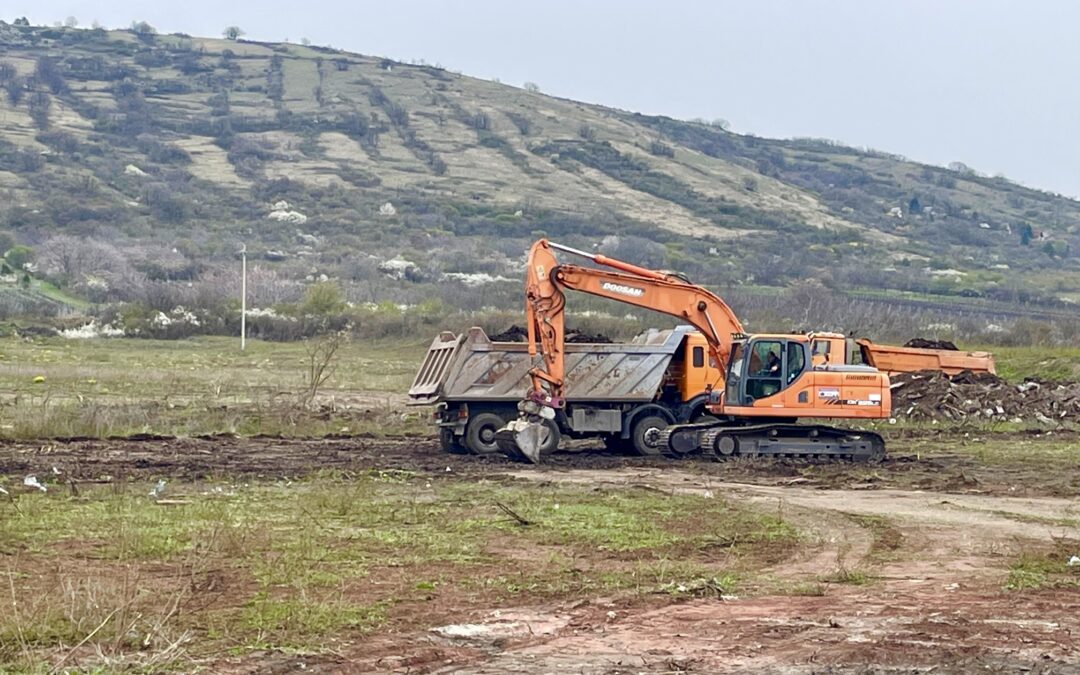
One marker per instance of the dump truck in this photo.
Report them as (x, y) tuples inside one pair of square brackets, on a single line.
[(623, 393)]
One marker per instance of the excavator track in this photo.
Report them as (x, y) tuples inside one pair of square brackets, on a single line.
[(807, 441)]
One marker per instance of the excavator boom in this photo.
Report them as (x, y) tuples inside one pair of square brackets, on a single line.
[(545, 304)]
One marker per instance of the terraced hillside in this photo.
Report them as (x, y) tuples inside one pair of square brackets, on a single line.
[(172, 149)]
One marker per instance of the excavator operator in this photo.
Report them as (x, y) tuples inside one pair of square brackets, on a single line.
[(772, 368)]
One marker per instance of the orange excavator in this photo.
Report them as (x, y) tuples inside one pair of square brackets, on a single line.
[(769, 382)]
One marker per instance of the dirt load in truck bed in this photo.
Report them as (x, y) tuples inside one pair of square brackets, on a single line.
[(519, 334), (922, 343)]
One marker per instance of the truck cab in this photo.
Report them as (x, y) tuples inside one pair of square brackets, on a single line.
[(693, 372)]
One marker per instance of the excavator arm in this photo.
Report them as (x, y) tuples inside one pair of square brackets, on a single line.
[(545, 304)]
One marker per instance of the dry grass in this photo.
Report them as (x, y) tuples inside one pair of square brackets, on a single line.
[(63, 388)]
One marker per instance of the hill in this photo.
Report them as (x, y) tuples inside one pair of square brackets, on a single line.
[(135, 164)]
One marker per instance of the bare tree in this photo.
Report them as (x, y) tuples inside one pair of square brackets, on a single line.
[(70, 260), (321, 364)]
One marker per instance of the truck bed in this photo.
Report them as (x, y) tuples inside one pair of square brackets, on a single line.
[(911, 359), (470, 367)]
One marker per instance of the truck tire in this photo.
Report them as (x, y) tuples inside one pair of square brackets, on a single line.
[(451, 443), (643, 435), (480, 433)]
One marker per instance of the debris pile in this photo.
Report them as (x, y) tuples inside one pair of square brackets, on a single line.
[(574, 336), (519, 334), (934, 395), (922, 343), (511, 334)]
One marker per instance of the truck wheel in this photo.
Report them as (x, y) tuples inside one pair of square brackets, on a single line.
[(450, 443), (480, 433), (645, 435)]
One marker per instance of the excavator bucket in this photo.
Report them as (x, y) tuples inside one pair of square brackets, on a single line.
[(522, 440)]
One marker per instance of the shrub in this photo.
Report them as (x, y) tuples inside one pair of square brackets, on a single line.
[(661, 149), (323, 299), (17, 256)]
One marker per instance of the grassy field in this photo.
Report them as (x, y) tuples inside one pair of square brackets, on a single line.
[(224, 568), (292, 559), (1048, 363), (57, 387)]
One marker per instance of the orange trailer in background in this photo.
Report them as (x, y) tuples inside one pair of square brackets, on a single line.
[(836, 349)]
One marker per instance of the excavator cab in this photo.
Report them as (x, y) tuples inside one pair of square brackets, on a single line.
[(763, 366)]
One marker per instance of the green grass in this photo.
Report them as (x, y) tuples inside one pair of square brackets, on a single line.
[(306, 618), (1046, 568), (1060, 364), (299, 566), (101, 387), (52, 292), (1019, 451), (844, 575)]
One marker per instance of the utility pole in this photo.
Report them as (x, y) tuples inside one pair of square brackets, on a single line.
[(243, 296)]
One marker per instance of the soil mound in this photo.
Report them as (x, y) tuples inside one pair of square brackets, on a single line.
[(519, 334), (922, 343)]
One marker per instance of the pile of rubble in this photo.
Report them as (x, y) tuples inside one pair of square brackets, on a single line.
[(923, 343), (934, 395), (519, 334)]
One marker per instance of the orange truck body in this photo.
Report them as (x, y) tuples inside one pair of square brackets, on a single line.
[(910, 359), (834, 348)]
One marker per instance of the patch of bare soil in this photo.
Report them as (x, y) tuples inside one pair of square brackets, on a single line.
[(846, 630), (935, 601)]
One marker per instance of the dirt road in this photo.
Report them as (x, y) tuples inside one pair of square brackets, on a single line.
[(936, 593), (902, 566)]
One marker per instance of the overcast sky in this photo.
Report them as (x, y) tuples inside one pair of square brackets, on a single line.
[(992, 83)]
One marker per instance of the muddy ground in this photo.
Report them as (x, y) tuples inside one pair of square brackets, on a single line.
[(924, 460), (934, 527)]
